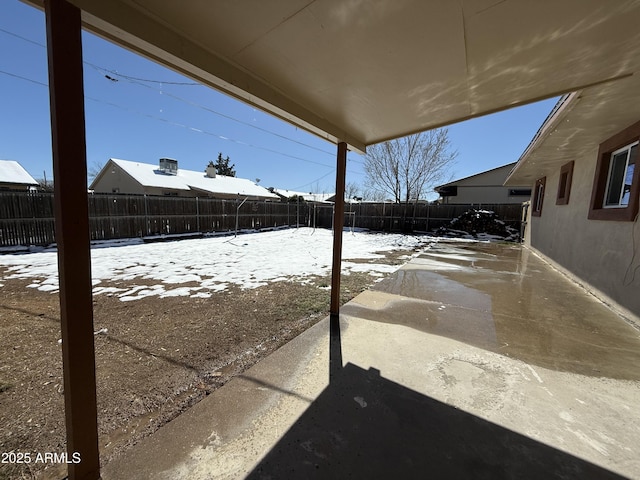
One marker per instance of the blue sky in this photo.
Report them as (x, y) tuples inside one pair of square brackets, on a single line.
[(146, 111)]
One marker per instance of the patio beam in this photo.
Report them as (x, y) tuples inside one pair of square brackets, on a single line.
[(66, 95), (338, 223)]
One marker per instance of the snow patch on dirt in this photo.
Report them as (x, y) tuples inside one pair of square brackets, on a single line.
[(215, 263)]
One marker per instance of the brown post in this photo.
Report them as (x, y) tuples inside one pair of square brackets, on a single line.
[(338, 222), (64, 50)]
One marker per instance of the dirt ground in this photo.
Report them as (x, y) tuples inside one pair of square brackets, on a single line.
[(156, 358)]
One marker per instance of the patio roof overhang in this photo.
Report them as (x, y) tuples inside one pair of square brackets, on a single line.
[(354, 72), (367, 71)]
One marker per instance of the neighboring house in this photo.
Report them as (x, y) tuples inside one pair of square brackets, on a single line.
[(308, 197), (14, 178), (123, 176), (484, 188), (584, 211)]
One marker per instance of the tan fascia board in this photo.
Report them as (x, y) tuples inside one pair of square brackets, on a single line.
[(129, 28), (547, 127)]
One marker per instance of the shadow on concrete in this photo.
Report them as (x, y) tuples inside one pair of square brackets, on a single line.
[(365, 426), (335, 348)]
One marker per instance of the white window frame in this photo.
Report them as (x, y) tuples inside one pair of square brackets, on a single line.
[(626, 166)]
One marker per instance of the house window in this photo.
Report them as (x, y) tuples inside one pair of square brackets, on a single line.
[(615, 186), (564, 185), (621, 167), (538, 196)]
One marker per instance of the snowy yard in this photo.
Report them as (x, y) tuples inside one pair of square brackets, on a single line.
[(199, 267), (174, 321)]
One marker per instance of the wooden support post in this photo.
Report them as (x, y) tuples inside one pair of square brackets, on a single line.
[(338, 222), (64, 50)]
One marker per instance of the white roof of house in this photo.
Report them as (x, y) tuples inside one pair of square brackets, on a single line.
[(12, 172), (309, 197), (150, 175)]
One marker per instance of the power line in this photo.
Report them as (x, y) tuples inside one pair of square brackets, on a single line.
[(127, 77), (314, 181), (138, 80), (90, 64), (205, 108), (194, 129), (170, 122), (23, 38), (24, 78)]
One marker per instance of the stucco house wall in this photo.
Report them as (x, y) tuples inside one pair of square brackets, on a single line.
[(597, 253), (595, 236)]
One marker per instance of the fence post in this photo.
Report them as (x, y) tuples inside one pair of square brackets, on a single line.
[(238, 213), (146, 216), (354, 221), (384, 213), (197, 215), (428, 212)]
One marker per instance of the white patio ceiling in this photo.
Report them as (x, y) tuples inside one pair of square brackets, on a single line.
[(364, 71)]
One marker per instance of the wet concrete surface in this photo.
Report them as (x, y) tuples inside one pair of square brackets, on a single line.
[(505, 299)]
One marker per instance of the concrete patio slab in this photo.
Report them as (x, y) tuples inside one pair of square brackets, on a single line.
[(474, 360)]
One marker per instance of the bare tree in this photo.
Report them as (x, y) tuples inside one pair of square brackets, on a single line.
[(352, 191), (372, 195), (94, 170), (406, 168), (45, 184)]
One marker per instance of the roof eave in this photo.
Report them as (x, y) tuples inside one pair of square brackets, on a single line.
[(564, 105)]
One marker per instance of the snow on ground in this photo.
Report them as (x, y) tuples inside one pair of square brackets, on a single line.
[(212, 264)]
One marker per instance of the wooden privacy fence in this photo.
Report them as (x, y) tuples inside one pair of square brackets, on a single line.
[(27, 218), (421, 217)]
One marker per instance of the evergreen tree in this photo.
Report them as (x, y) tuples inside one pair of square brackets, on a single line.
[(222, 166)]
